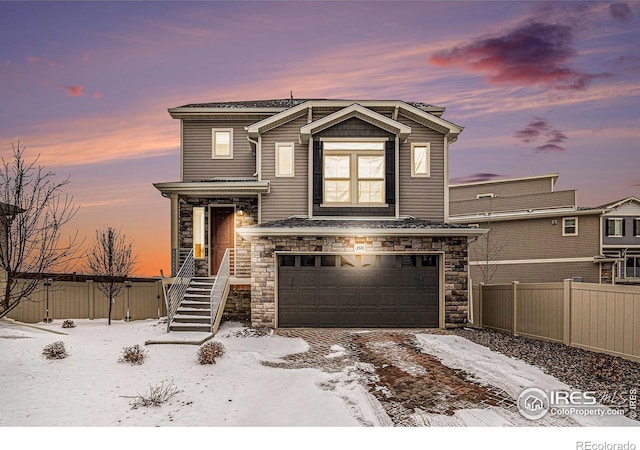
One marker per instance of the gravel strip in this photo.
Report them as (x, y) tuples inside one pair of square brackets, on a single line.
[(614, 379)]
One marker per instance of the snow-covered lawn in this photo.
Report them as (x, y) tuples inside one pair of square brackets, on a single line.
[(91, 388)]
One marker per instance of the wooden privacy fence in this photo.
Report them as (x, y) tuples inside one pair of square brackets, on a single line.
[(83, 300), (598, 317)]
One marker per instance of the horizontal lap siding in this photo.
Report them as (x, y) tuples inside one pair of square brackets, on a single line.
[(197, 162), (288, 196), (540, 272), (514, 203), (505, 189), (541, 239), (422, 197)]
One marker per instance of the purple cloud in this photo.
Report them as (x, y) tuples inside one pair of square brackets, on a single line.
[(539, 128), (535, 53), (620, 12), (475, 178)]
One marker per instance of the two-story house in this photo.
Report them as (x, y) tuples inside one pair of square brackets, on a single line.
[(537, 234), (620, 233), (335, 212)]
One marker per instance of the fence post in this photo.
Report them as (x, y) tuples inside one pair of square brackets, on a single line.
[(90, 298), (566, 320), (480, 289), (515, 307)]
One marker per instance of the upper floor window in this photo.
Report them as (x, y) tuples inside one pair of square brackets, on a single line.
[(354, 173), (488, 195), (222, 143), (570, 226), (615, 227), (420, 160), (285, 159)]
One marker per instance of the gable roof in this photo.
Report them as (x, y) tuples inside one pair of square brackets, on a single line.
[(359, 112), (422, 113), (618, 203)]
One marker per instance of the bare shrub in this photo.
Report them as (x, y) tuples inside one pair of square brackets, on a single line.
[(68, 324), (156, 396), (55, 350), (133, 355), (208, 353), (604, 368)]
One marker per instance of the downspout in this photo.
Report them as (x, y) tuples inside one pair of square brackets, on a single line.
[(257, 157)]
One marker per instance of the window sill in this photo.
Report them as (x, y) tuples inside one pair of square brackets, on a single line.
[(354, 205)]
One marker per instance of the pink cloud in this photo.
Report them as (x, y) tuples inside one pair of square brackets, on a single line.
[(97, 95), (86, 57), (74, 91), (530, 54)]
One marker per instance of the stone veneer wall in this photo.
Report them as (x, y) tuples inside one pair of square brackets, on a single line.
[(263, 271), (185, 236), (238, 304)]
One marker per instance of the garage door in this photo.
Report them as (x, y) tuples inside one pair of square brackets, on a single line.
[(358, 291)]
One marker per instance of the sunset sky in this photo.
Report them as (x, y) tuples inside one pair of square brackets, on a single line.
[(540, 87)]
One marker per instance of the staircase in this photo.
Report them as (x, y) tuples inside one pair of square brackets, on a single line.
[(194, 312)]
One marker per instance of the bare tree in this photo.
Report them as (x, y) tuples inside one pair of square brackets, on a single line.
[(33, 209), (111, 257), (487, 251)]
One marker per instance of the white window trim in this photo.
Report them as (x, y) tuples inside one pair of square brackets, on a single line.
[(614, 220), (293, 159), (413, 166), (353, 178), (564, 220), (213, 143)]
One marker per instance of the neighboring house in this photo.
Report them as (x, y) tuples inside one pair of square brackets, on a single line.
[(621, 238), (537, 234), (335, 212), (7, 213)]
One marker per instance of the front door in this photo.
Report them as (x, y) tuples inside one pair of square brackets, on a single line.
[(222, 234)]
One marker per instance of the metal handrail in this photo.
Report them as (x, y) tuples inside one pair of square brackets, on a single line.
[(220, 285), (179, 286)]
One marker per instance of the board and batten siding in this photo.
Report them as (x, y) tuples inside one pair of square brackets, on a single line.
[(422, 197), (197, 163), (288, 195), (502, 189)]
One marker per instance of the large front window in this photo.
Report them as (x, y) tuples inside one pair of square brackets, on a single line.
[(354, 173)]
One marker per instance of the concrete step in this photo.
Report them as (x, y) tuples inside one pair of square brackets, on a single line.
[(190, 327), (180, 319), (194, 311)]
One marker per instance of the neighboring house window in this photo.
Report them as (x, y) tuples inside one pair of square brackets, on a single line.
[(570, 226), (490, 195), (420, 160), (198, 232), (222, 143), (285, 159), (615, 227), (636, 226), (354, 173)]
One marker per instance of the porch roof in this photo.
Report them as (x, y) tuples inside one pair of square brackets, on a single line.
[(407, 226), (214, 187)]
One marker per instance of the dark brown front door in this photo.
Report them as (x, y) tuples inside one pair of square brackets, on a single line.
[(222, 234)]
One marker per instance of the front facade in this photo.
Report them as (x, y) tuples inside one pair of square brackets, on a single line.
[(620, 234), (537, 234), (335, 212)]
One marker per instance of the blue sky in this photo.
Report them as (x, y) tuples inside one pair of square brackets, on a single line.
[(540, 87)]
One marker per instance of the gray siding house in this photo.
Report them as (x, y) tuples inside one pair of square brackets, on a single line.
[(537, 234), (620, 233), (333, 213)]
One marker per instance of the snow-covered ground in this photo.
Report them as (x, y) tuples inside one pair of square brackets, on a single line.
[(91, 388)]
